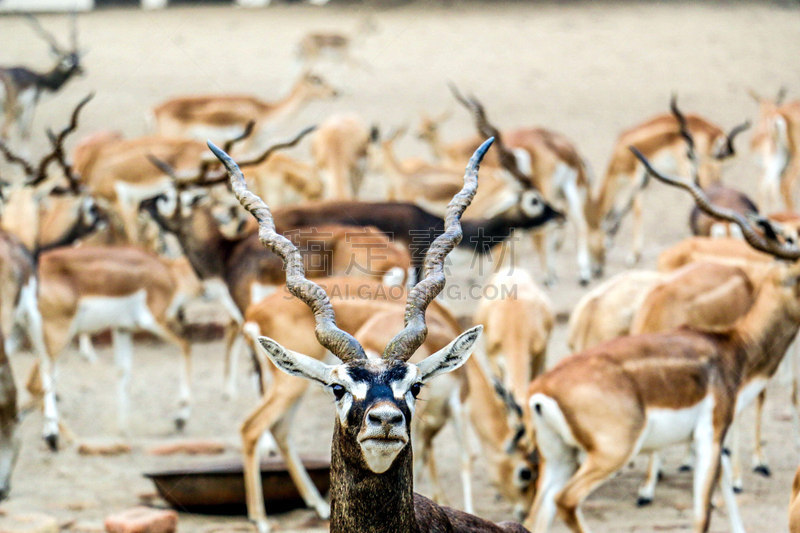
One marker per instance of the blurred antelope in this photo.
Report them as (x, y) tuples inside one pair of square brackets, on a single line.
[(89, 289), (21, 88), (776, 140), (517, 318), (225, 116), (548, 162), (339, 148), (660, 139)]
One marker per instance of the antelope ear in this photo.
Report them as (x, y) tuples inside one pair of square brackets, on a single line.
[(451, 356), (295, 364)]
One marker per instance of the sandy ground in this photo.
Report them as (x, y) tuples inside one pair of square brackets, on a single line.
[(587, 70)]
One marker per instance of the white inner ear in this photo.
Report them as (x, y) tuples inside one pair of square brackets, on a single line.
[(294, 363), (451, 356)]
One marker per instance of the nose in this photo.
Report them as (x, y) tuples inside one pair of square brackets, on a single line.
[(385, 415)]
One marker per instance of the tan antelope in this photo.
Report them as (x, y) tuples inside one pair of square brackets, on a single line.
[(371, 467), (662, 389), (794, 505), (548, 162), (226, 116), (335, 45), (21, 88), (339, 147), (660, 140), (504, 434), (776, 141), (517, 318), (606, 312), (90, 289)]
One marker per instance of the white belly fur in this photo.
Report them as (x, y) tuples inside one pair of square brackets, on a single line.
[(665, 427), (98, 313)]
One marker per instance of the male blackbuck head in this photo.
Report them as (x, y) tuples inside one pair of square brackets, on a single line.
[(68, 59), (61, 213), (374, 396)]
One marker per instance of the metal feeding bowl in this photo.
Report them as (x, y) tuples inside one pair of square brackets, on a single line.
[(218, 488)]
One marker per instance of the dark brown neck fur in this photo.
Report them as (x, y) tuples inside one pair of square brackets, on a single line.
[(365, 502)]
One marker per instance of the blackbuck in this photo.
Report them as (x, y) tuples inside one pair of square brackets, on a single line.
[(334, 45), (547, 161), (504, 435), (224, 116), (776, 141), (41, 210), (621, 188), (21, 88), (644, 392), (517, 325), (719, 194), (417, 228), (371, 464), (90, 289), (339, 147)]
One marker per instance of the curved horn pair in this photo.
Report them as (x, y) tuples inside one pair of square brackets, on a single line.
[(340, 343)]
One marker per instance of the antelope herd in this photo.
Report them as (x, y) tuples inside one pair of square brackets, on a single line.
[(330, 248)]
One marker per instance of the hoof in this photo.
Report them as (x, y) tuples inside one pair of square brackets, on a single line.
[(642, 502), (52, 442), (684, 468), (180, 423), (584, 282), (737, 489), (763, 470), (660, 476)]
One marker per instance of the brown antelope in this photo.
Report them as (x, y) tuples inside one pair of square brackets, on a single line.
[(606, 312), (417, 181), (221, 117), (40, 211), (794, 505), (517, 318), (318, 45), (371, 466), (776, 140), (659, 139), (644, 392), (708, 297), (21, 88), (501, 427), (89, 289), (339, 148), (548, 162)]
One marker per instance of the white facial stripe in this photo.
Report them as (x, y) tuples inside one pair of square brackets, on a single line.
[(400, 388)]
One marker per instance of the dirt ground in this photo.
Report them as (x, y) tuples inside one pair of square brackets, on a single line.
[(588, 70)]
